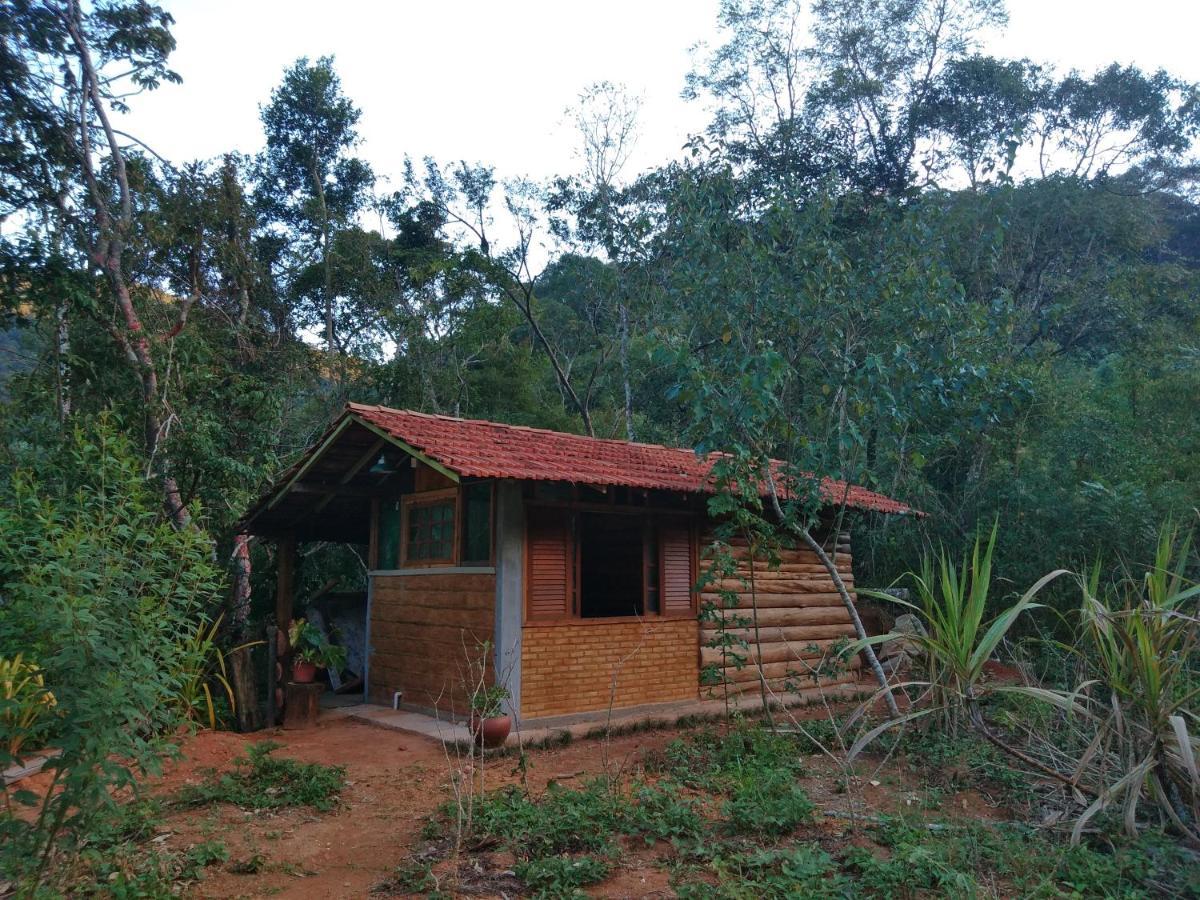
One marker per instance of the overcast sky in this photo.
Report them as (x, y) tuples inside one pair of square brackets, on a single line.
[(488, 81)]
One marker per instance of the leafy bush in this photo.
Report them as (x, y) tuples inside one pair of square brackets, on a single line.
[(767, 802), (661, 814), (104, 594), (261, 780), (561, 876)]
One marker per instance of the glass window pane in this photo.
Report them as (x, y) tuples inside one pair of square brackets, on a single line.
[(389, 535), (431, 531), (477, 522)]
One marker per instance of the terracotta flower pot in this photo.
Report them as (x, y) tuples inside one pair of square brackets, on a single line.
[(303, 672), (490, 732)]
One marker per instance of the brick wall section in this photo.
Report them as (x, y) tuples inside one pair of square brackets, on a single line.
[(422, 628), (569, 668)]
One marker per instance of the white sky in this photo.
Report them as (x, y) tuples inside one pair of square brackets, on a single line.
[(488, 81)]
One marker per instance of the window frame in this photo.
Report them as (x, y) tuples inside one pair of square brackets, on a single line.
[(650, 519), (423, 499)]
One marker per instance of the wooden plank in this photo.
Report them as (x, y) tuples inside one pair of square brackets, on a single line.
[(773, 651), (809, 615)]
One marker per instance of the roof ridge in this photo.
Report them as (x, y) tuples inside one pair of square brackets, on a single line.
[(533, 428)]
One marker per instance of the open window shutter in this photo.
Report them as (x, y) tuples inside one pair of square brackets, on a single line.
[(551, 579), (675, 541)]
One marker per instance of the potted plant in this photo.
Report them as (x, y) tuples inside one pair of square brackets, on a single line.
[(489, 724), (312, 651)]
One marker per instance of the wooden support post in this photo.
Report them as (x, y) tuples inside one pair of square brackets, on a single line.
[(273, 679)]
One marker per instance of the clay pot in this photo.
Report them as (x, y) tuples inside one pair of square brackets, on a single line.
[(304, 672), (491, 732)]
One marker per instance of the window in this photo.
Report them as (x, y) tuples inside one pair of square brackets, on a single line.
[(595, 565), (610, 566), (429, 530), (477, 523), (389, 535)]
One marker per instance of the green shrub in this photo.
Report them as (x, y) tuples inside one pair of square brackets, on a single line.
[(561, 876), (261, 780), (564, 820), (104, 594), (803, 870), (767, 802), (710, 760), (661, 814)]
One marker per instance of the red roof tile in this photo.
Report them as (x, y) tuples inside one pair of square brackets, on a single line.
[(481, 449)]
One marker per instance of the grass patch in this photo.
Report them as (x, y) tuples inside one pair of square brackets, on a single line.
[(563, 820), (261, 780)]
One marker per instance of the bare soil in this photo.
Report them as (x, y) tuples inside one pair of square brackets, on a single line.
[(396, 779)]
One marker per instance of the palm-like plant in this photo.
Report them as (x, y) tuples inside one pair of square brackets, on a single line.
[(1139, 645), (200, 664), (952, 601)]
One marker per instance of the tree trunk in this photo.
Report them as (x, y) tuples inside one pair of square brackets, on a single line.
[(629, 431), (831, 567)]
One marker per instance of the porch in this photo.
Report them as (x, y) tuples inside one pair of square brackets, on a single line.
[(547, 729)]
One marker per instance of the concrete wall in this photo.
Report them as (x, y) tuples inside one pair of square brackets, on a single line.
[(509, 546)]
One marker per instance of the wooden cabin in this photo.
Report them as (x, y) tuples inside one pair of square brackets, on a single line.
[(575, 558)]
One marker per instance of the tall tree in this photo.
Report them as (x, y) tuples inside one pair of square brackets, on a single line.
[(68, 69), (310, 184)]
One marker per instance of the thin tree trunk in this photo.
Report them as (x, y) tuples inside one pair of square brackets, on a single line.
[(62, 346), (239, 607), (629, 431), (831, 567)]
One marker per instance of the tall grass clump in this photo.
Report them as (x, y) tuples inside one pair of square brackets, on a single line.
[(1138, 650), (951, 601)]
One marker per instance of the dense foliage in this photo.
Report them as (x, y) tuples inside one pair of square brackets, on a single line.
[(970, 282), (104, 595)]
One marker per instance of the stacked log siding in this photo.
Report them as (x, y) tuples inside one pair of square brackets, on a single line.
[(800, 617)]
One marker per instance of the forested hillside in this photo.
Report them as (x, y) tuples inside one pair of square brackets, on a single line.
[(970, 282)]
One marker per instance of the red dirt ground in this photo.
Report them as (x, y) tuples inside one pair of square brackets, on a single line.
[(394, 779)]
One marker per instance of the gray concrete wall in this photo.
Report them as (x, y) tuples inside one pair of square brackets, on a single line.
[(510, 589)]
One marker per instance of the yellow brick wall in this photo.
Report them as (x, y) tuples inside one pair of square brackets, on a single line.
[(569, 668)]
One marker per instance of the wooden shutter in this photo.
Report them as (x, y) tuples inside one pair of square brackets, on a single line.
[(675, 543), (550, 571)]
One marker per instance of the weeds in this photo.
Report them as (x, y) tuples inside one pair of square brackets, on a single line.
[(261, 780), (562, 876)]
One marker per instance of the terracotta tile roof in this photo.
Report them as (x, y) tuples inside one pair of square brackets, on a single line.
[(481, 449)]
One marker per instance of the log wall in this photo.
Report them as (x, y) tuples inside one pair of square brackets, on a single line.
[(422, 629), (800, 617)]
